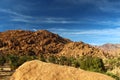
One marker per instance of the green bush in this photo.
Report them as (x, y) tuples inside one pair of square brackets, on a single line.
[(76, 64), (42, 58), (114, 76), (2, 60), (85, 62), (23, 59), (71, 61), (92, 64), (13, 61), (52, 59), (62, 60)]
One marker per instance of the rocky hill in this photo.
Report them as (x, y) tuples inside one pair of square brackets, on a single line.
[(28, 42), (112, 49), (82, 49), (37, 70), (44, 42)]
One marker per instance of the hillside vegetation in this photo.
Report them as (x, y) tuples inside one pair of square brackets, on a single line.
[(84, 62)]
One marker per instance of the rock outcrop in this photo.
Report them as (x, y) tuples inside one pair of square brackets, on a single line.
[(22, 42), (31, 43), (112, 49), (82, 49), (37, 70)]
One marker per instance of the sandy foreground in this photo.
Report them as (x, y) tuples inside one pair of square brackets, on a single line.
[(37, 70)]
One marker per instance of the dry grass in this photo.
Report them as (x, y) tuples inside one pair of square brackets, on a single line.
[(5, 75)]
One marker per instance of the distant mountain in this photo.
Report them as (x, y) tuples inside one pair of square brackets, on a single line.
[(112, 49), (44, 42)]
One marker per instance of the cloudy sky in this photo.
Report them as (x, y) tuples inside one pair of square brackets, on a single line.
[(91, 21)]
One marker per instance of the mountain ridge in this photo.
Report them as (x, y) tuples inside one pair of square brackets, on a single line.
[(23, 42), (39, 41)]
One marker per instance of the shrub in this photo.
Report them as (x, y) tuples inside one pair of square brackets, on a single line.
[(13, 60), (2, 60), (42, 58), (23, 59), (52, 59), (92, 64), (62, 60), (114, 76), (70, 61)]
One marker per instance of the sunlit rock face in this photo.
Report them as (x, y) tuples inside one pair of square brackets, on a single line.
[(37, 70)]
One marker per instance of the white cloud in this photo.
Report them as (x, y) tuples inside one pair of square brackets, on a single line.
[(18, 17), (110, 22), (14, 13), (46, 20), (112, 31), (76, 1), (109, 6), (103, 5), (93, 36), (34, 29)]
